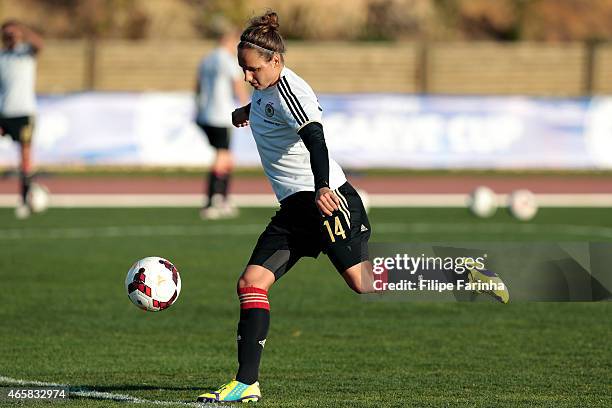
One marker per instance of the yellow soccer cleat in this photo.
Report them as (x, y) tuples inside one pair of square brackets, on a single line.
[(488, 282), (233, 391)]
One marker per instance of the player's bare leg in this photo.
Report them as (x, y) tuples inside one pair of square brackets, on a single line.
[(23, 209), (360, 277), (256, 276), (26, 162)]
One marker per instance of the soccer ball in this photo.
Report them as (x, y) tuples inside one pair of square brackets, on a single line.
[(522, 205), (153, 284), (38, 198), (482, 202)]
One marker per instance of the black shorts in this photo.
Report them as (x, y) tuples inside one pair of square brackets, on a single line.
[(19, 128), (298, 229), (217, 136)]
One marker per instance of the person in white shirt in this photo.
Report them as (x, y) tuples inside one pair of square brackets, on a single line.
[(18, 98), (319, 210), (219, 83)]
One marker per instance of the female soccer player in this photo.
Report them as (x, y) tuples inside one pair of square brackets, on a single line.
[(219, 81), (20, 48), (319, 210)]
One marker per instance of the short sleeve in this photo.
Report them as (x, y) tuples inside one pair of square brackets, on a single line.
[(299, 104), (26, 49)]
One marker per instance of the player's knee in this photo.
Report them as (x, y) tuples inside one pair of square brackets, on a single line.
[(361, 288), (356, 283), (256, 276), (245, 282), (359, 278)]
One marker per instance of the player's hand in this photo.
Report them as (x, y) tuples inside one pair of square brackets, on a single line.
[(240, 117), (327, 202)]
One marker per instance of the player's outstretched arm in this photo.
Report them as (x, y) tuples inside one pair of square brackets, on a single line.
[(240, 117)]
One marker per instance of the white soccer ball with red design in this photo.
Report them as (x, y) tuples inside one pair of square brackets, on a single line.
[(153, 284)]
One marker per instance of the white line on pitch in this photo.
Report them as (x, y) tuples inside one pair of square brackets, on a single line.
[(254, 229), (92, 394), (130, 231), (268, 200)]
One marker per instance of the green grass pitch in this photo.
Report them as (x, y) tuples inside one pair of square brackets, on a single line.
[(65, 317)]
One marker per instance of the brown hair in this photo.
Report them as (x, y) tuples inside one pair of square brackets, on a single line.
[(263, 36)]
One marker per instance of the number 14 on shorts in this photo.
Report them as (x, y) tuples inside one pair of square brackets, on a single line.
[(336, 230)]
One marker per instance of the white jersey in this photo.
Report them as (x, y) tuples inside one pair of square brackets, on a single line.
[(277, 113), (216, 74), (17, 81)]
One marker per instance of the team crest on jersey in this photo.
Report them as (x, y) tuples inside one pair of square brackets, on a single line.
[(269, 110)]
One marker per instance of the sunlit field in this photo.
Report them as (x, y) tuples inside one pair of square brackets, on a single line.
[(66, 318)]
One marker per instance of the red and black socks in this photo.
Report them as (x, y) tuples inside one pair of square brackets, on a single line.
[(252, 332)]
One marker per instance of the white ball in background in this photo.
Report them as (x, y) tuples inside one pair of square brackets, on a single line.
[(38, 198), (482, 202), (522, 205)]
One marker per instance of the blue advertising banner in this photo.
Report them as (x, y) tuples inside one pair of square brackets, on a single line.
[(373, 130)]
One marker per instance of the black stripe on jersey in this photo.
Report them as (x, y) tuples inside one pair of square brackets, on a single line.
[(298, 118), (294, 97)]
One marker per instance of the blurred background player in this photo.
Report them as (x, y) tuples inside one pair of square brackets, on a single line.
[(20, 46), (219, 84)]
